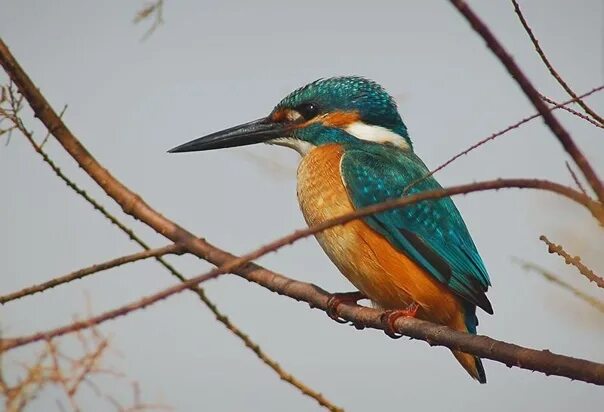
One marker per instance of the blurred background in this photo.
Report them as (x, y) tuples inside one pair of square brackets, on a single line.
[(216, 64)]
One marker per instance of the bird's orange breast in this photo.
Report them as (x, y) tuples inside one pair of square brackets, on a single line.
[(384, 274)]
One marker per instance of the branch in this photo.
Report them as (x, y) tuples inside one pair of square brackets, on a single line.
[(551, 69), (551, 277), (496, 135), (533, 95), (575, 178), (82, 273), (135, 206), (52, 368), (155, 9), (511, 355), (573, 261), (574, 112), (218, 315)]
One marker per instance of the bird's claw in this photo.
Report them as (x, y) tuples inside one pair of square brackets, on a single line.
[(390, 316), (338, 298)]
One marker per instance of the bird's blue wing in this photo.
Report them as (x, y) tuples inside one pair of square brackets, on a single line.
[(432, 232)]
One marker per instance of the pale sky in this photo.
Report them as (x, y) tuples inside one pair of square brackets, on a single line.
[(216, 64)]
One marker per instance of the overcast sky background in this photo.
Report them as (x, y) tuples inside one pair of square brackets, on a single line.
[(215, 64)]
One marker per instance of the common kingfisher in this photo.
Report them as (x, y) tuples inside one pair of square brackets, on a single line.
[(419, 260)]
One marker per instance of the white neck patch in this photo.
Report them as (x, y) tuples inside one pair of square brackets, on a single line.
[(298, 145), (377, 134)]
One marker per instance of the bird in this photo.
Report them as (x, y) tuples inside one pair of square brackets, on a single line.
[(419, 260)]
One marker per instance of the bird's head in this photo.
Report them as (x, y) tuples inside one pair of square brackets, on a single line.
[(334, 110)]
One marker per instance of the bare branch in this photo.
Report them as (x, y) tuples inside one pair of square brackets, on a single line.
[(573, 261), (133, 204), (575, 178), (51, 367), (9, 109), (552, 277), (533, 95), (48, 134), (551, 69), (82, 273), (574, 112), (496, 135), (219, 316)]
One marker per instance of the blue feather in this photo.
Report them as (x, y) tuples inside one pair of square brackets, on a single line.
[(432, 233)]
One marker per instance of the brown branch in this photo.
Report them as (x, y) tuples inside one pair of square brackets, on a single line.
[(88, 365), (574, 112), (573, 261), (551, 69), (511, 355), (82, 273), (555, 279), (218, 315), (575, 178), (496, 135), (48, 134), (134, 205), (533, 95)]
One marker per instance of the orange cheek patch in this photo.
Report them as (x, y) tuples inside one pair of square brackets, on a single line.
[(340, 119), (279, 116), (285, 115)]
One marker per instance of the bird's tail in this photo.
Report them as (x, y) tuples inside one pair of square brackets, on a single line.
[(472, 364), (467, 323)]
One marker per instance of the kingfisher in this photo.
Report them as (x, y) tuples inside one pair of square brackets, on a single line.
[(418, 260)]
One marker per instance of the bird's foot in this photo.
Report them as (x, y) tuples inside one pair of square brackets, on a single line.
[(390, 316), (338, 298)]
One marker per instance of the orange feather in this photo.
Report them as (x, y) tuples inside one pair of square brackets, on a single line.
[(384, 274)]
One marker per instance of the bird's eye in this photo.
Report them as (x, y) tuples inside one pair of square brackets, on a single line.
[(307, 110)]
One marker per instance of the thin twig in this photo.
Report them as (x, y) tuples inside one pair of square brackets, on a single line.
[(84, 272), (549, 66), (51, 368), (573, 261), (533, 95), (574, 112), (494, 136), (575, 178), (156, 9), (551, 277), (48, 133)]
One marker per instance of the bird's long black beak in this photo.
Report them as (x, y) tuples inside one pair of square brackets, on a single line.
[(258, 131)]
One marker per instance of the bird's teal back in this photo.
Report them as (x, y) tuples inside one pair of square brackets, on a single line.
[(432, 233)]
